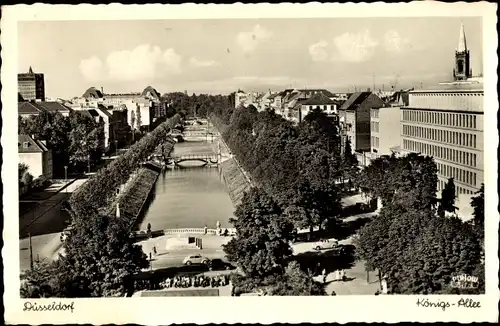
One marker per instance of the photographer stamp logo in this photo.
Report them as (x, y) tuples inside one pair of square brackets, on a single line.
[(464, 281)]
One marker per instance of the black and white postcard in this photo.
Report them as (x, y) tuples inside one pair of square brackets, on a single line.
[(321, 162)]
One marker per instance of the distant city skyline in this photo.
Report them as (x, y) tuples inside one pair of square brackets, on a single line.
[(221, 56)]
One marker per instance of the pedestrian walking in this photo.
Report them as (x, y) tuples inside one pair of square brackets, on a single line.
[(205, 229), (323, 273), (154, 250), (343, 275)]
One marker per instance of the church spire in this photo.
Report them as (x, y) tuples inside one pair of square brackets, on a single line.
[(462, 42), (30, 71), (462, 69)]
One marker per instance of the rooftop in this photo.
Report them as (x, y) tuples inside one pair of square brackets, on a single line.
[(154, 93), (51, 106), (318, 99), (27, 144), (92, 92), (354, 100), (28, 108)]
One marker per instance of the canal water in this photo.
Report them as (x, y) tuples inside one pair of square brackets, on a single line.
[(190, 196)]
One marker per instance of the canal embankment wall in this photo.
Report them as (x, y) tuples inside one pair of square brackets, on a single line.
[(236, 182), (236, 178), (137, 193)]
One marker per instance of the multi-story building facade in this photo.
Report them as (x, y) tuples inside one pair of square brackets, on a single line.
[(385, 126), (354, 117), (31, 86), (446, 122), (147, 104), (319, 101), (240, 97)]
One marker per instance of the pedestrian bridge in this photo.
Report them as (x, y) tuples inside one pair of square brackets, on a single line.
[(204, 158)]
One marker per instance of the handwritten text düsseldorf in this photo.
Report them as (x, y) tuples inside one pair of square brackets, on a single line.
[(59, 306)]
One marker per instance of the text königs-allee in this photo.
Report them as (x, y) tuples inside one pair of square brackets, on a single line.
[(59, 306), (462, 303)]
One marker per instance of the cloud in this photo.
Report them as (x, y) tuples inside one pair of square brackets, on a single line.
[(92, 69), (248, 41), (393, 42), (318, 51), (145, 62), (355, 47), (202, 63)]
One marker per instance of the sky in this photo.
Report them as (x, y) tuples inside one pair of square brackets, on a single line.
[(221, 56)]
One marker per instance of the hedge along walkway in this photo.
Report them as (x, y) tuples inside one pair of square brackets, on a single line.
[(100, 188)]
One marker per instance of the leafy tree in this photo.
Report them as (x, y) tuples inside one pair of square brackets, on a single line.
[(54, 128), (349, 163), (39, 281), (410, 180), (102, 252), (86, 144), (445, 247), (294, 282), (263, 233), (52, 279), (138, 117), (25, 178), (477, 203), (375, 179), (132, 124), (448, 197)]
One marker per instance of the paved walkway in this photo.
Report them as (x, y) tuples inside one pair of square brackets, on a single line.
[(45, 224), (356, 283), (54, 188)]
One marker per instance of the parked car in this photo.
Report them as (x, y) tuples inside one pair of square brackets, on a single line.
[(326, 244), (66, 233), (196, 259)]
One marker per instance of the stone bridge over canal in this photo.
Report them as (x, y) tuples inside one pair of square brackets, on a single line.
[(204, 158)]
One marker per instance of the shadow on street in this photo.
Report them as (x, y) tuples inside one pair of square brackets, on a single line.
[(346, 229), (51, 221), (330, 260)]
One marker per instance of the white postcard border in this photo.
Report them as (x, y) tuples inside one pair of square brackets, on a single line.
[(244, 309)]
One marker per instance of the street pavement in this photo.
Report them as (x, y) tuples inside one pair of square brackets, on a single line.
[(44, 223), (173, 257)]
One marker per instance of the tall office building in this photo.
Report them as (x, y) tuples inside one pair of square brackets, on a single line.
[(31, 86), (446, 122)]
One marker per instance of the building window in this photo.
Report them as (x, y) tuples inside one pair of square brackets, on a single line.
[(474, 141)]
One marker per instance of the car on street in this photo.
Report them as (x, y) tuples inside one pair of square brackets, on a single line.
[(66, 233), (196, 259), (326, 244)]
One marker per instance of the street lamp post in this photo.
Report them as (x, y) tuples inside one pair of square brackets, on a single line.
[(116, 147), (88, 162), (31, 252), (66, 177)]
